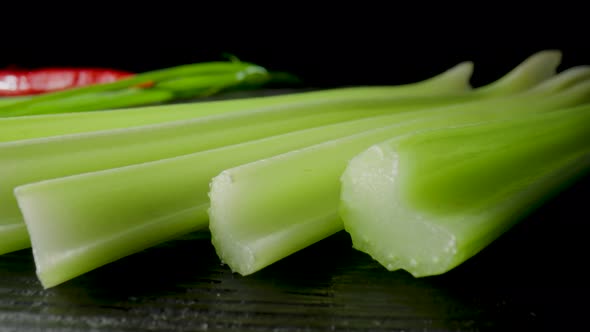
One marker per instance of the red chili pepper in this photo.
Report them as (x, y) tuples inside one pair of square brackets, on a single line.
[(17, 82)]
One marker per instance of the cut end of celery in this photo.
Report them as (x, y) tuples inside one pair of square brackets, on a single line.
[(256, 217), (381, 225), (73, 233), (50, 268), (231, 252)]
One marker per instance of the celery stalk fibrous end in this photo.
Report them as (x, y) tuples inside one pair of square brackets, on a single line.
[(239, 257), (427, 201), (413, 244)]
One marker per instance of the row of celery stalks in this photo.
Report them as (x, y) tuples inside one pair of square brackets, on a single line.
[(422, 176)]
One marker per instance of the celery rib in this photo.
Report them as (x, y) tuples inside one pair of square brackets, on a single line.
[(34, 160), (180, 204), (252, 206), (182, 184), (426, 202), (39, 159)]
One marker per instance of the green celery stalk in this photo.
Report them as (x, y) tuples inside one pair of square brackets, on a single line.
[(266, 210), (38, 159), (452, 81), (33, 160), (428, 201), (140, 216)]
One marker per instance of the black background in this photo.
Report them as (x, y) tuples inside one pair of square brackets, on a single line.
[(325, 45)]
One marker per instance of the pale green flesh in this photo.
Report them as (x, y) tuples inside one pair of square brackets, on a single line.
[(426, 202), (266, 210)]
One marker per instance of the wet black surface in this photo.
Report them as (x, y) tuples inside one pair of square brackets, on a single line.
[(531, 279)]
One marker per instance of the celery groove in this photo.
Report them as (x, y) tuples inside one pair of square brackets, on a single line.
[(426, 202)]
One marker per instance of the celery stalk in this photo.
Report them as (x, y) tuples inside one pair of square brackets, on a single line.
[(173, 213), (429, 201), (61, 260), (452, 81), (254, 222), (45, 158), (140, 216), (38, 159)]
